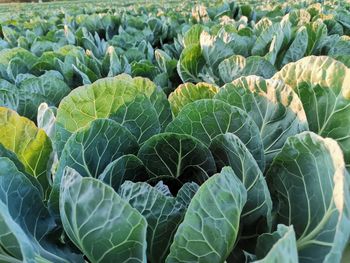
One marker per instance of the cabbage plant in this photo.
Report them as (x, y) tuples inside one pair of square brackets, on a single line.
[(210, 175), (211, 133)]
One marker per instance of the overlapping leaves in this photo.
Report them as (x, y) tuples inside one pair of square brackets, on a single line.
[(135, 175)]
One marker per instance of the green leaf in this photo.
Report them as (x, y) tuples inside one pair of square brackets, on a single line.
[(232, 68), (190, 63), (9, 96), (144, 68), (207, 118), (228, 150), (214, 50), (192, 36), (299, 17), (112, 62), (262, 25), (15, 246), (139, 117), (236, 66), (46, 119), (126, 167), (345, 59), (242, 41), (22, 60), (163, 188), (34, 91), (271, 248), (276, 46), (346, 254), (275, 108), (316, 32), (31, 145), (20, 167), (163, 214), (40, 46), (93, 147), (188, 92), (99, 222), (186, 193), (164, 61), (325, 96), (178, 156), (157, 97), (4, 152), (10, 35), (210, 227), (310, 182), (45, 62), (25, 205), (103, 99), (297, 48), (80, 71), (90, 150), (342, 47), (263, 41)]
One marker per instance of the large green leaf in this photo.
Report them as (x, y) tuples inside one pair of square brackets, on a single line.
[(236, 66), (126, 167), (31, 145), (276, 48), (157, 97), (299, 17), (8, 95), (140, 117), (120, 98), (186, 193), (25, 207), (207, 118), (14, 61), (263, 41), (192, 36), (271, 248), (166, 63), (275, 108), (190, 63), (15, 246), (178, 156), (340, 47), (91, 149), (99, 222), (316, 31), (4, 152), (46, 119), (211, 224), (188, 92), (45, 62), (229, 150), (20, 167), (214, 50), (97, 100), (297, 48), (34, 91), (163, 214), (322, 85), (310, 182)]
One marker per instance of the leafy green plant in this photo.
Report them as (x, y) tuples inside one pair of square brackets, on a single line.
[(206, 133)]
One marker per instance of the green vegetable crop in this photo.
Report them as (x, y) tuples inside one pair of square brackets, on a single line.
[(175, 132)]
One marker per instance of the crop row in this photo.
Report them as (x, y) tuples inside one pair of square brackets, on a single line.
[(163, 135)]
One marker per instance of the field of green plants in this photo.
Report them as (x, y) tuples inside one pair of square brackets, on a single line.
[(175, 131)]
